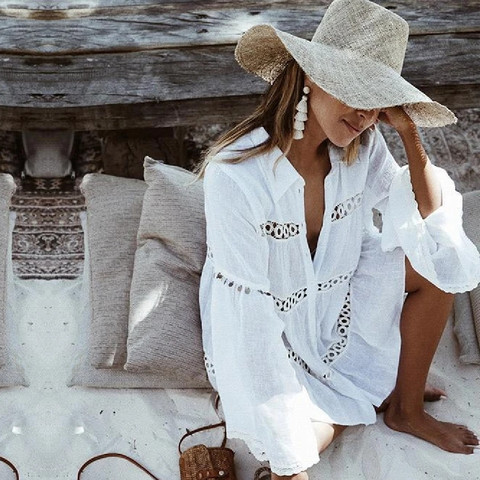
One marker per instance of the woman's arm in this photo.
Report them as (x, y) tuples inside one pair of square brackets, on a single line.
[(426, 186)]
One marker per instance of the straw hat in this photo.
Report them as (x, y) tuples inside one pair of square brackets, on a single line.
[(356, 55)]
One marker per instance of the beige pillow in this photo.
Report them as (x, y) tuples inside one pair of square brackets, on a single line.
[(164, 324), (7, 189), (113, 212), (471, 224), (467, 305), (464, 328), (84, 374), (11, 373)]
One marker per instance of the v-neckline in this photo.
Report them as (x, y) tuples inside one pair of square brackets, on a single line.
[(313, 254), (325, 223)]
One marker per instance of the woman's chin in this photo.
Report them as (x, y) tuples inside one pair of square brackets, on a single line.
[(342, 142)]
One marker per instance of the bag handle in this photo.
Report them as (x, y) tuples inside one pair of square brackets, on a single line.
[(201, 429), (12, 466), (118, 455)]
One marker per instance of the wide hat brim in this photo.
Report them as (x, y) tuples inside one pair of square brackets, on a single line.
[(358, 81)]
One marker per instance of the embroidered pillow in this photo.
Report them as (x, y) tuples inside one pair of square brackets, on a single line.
[(164, 323)]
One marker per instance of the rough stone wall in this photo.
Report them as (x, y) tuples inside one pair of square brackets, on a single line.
[(455, 148)]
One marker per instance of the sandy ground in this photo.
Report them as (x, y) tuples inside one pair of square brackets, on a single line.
[(48, 429)]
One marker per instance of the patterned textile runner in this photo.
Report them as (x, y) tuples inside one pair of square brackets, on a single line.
[(48, 237)]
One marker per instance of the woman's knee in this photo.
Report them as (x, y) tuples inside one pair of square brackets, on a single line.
[(414, 282)]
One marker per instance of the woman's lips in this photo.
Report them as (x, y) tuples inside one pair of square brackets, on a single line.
[(352, 128)]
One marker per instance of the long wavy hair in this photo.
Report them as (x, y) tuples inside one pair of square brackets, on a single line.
[(275, 113)]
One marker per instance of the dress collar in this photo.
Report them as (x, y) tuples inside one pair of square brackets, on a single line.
[(284, 175)]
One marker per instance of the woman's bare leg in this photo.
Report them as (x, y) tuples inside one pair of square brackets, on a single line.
[(326, 433), (423, 320), (431, 394)]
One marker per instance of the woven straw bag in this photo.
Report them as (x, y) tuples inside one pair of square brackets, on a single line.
[(201, 462)]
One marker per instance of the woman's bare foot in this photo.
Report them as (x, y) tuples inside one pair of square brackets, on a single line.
[(431, 394), (448, 436)]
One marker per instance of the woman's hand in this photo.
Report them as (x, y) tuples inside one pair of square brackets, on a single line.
[(398, 118), (425, 185), (297, 476)]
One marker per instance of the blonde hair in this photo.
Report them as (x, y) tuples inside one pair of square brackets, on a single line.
[(275, 113)]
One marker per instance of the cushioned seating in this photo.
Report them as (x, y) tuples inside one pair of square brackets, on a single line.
[(467, 305)]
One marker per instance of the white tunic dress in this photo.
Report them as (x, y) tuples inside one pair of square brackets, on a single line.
[(289, 339)]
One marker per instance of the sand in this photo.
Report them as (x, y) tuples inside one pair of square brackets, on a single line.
[(48, 429)]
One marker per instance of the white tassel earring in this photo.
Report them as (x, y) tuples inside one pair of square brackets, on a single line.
[(301, 116)]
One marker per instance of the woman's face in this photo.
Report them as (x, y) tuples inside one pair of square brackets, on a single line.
[(335, 120)]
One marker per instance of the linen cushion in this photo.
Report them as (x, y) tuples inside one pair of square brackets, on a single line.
[(113, 213), (7, 189), (464, 329), (86, 375), (164, 323), (471, 224), (467, 305), (11, 373)]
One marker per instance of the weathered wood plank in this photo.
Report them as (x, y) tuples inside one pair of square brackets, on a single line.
[(193, 4), (177, 113), (178, 74), (126, 63), (168, 25)]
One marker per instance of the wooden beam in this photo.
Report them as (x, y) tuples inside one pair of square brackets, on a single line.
[(178, 113), (196, 73), (132, 27), (139, 63)]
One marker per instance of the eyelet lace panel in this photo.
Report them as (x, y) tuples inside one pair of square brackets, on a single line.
[(346, 207), (298, 360), (284, 305), (232, 283), (280, 231), (208, 365), (335, 349), (333, 282)]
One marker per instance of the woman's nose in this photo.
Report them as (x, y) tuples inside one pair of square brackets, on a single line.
[(368, 115)]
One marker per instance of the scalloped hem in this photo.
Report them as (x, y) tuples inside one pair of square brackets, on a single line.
[(256, 448)]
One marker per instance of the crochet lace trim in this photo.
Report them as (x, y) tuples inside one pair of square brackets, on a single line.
[(285, 304), (279, 231), (336, 348), (346, 207)]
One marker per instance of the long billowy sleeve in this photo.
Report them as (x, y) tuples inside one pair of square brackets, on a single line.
[(436, 246), (263, 402)]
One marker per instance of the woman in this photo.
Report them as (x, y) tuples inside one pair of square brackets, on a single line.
[(302, 299)]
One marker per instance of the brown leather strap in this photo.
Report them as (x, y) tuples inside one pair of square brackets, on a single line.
[(202, 429), (12, 466), (118, 455)]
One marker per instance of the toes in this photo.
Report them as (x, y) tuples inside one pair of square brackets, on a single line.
[(433, 394), (471, 439)]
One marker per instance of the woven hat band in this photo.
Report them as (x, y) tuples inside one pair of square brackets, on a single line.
[(367, 29)]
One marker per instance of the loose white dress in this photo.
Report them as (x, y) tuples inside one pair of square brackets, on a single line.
[(289, 339)]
